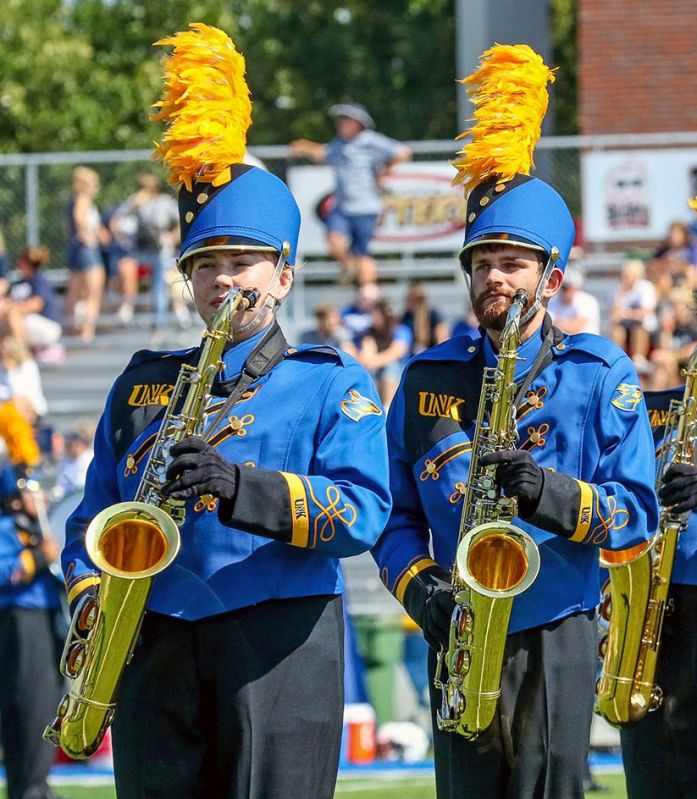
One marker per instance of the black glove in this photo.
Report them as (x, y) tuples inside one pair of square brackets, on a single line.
[(678, 491), (519, 476), (429, 601), (197, 469)]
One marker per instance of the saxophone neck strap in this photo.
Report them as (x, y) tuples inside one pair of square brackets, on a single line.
[(268, 352), (544, 357)]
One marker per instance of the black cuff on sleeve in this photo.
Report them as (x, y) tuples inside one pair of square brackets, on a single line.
[(557, 510), (420, 588), (261, 505), (40, 561)]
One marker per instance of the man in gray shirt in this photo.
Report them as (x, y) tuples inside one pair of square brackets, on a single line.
[(360, 156)]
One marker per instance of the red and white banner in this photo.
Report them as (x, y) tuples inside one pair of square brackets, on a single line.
[(422, 211)]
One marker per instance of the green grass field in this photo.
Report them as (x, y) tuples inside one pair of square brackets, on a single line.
[(360, 788)]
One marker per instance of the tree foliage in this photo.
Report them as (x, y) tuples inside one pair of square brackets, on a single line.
[(82, 74)]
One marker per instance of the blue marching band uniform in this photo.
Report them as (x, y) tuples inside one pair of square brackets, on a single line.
[(235, 687), (30, 617), (660, 752)]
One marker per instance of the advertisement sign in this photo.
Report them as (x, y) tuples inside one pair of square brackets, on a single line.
[(634, 195), (422, 211)]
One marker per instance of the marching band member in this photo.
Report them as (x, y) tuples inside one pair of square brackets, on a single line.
[(30, 611), (236, 685), (660, 751), (582, 471)]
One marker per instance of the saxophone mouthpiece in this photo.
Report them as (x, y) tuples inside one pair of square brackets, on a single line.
[(249, 299), (521, 296)]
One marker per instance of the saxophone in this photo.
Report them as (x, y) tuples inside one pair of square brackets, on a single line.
[(131, 542), (636, 599), (494, 561)]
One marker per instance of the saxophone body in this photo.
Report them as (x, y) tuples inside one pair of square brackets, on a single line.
[(636, 599), (130, 543), (495, 560)]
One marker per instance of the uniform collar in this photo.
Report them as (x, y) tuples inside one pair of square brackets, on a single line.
[(527, 352), (236, 356)]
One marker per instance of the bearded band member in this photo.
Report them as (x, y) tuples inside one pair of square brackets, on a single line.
[(582, 469), (235, 688)]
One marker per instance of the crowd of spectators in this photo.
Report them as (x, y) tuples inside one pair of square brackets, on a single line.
[(381, 335)]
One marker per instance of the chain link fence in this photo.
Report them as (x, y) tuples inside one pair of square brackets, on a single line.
[(35, 189)]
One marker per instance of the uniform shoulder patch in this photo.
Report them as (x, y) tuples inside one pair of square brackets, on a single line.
[(627, 397), (356, 406)]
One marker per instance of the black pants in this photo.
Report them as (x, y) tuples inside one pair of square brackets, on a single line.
[(660, 752), (30, 689), (245, 705), (537, 745)]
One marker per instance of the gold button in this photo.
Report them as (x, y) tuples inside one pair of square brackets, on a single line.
[(535, 437), (471, 349), (202, 198), (291, 350), (430, 468), (561, 347), (235, 423), (130, 462), (499, 187), (189, 216), (471, 217), (484, 201)]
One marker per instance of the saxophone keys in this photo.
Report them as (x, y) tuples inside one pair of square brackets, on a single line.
[(87, 616), (75, 660)]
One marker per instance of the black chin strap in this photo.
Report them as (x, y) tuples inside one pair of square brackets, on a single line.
[(541, 286)]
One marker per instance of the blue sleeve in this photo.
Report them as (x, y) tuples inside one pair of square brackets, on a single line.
[(101, 491), (624, 508), (612, 504), (346, 496), (402, 550)]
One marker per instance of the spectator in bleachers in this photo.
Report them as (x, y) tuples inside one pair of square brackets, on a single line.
[(122, 265), (674, 263), (4, 266), (466, 325), (357, 317), (572, 309), (85, 264), (360, 157), (633, 313), (30, 309), (675, 339), (328, 329), (72, 468), (20, 379), (425, 322), (384, 349), (157, 235)]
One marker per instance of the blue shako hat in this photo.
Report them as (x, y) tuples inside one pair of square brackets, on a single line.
[(255, 209), (524, 210)]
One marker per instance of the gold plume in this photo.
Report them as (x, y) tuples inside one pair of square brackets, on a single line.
[(18, 435), (509, 93), (205, 105)]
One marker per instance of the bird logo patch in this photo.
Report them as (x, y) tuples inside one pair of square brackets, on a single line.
[(627, 397), (356, 406)]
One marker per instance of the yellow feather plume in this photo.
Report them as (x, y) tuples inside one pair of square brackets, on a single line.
[(205, 105), (18, 435), (509, 93)]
